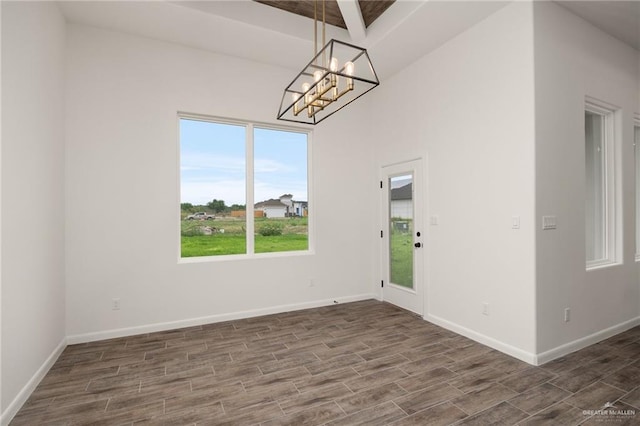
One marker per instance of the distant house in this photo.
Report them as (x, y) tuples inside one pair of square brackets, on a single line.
[(300, 208), (402, 202), (272, 208), (285, 206)]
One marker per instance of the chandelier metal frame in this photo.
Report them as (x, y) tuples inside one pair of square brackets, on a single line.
[(329, 82)]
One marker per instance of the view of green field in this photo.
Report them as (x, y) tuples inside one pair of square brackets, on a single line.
[(228, 236), (213, 164), (401, 250)]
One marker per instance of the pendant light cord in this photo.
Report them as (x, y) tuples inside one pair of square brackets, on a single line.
[(315, 29), (324, 43), (324, 22)]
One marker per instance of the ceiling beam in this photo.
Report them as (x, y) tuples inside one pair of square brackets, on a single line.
[(352, 15)]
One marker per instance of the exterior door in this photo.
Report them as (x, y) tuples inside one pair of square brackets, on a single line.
[(402, 236)]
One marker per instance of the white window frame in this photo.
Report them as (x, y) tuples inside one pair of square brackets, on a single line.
[(249, 188), (636, 155), (611, 246)]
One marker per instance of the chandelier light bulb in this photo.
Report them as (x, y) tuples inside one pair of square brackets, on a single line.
[(317, 75), (349, 67), (333, 64), (307, 96), (295, 96)]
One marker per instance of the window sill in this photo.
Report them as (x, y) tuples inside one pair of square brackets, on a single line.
[(601, 264), (234, 257)]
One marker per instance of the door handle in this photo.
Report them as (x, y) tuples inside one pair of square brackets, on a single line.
[(417, 245)]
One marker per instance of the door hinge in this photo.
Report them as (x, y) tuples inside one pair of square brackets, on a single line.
[(381, 283), (381, 234), (380, 184)]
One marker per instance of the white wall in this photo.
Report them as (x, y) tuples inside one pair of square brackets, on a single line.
[(573, 59), (1, 405), (468, 108), (122, 185), (33, 295)]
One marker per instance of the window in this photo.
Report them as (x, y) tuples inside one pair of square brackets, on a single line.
[(243, 188), (600, 200), (636, 147)]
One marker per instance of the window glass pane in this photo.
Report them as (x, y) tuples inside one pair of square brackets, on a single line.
[(280, 191), (212, 188), (636, 135), (595, 186), (401, 230)]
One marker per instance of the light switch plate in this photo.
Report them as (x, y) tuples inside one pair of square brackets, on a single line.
[(548, 222)]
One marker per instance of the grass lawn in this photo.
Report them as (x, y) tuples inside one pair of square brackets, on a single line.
[(286, 242), (213, 245), (293, 238), (402, 259), (233, 241)]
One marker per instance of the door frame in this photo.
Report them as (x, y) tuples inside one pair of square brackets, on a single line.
[(409, 299)]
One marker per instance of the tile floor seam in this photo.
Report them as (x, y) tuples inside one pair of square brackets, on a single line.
[(572, 405), (457, 422), (564, 389), (613, 386), (462, 409)]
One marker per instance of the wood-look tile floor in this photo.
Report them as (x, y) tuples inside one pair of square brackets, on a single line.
[(365, 363)]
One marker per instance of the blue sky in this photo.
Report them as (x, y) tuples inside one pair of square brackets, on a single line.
[(212, 163)]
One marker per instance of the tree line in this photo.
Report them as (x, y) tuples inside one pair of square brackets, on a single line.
[(214, 206)]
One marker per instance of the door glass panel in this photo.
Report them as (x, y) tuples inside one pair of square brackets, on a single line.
[(401, 230)]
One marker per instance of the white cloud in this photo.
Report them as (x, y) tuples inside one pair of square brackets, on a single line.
[(207, 161), (205, 177), (201, 192), (266, 190), (265, 165)]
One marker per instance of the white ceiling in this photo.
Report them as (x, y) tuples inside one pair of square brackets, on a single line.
[(408, 30), (405, 32), (620, 19)]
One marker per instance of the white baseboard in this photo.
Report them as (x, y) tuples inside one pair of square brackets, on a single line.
[(131, 331), (12, 409), (535, 359), (520, 354), (15, 405), (583, 342)]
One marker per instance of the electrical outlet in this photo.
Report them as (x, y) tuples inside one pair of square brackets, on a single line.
[(485, 309), (115, 304), (567, 314)]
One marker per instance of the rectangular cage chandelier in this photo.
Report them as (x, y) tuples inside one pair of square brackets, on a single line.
[(336, 76)]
